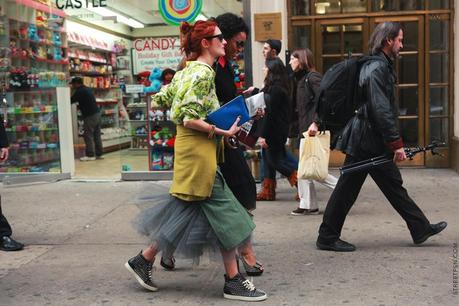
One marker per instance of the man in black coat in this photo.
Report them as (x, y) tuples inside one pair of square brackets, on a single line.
[(6, 242), (375, 133)]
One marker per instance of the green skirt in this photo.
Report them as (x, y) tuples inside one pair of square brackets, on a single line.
[(188, 227)]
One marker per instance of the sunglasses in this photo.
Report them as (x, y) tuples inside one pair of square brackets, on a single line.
[(240, 44), (219, 36)]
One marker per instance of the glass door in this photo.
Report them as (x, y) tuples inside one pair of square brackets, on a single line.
[(411, 85)]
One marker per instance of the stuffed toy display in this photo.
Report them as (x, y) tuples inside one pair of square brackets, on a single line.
[(155, 83)]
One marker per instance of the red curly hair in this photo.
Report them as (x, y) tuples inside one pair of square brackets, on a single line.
[(192, 35)]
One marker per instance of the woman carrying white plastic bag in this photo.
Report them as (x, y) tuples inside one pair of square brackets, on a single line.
[(307, 83), (313, 166)]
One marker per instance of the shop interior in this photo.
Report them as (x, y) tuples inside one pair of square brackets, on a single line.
[(114, 46)]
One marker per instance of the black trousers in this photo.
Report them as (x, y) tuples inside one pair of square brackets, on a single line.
[(389, 181), (92, 135), (237, 175), (5, 228)]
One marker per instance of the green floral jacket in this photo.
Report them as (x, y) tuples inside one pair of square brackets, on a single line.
[(191, 94)]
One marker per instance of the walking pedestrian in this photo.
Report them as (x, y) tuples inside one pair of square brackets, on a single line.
[(307, 83), (202, 210), (373, 133)]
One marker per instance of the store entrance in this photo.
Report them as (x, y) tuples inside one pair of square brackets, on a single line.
[(340, 38)]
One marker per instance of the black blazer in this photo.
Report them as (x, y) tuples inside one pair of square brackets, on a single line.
[(277, 118)]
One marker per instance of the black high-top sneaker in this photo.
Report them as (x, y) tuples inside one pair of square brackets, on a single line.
[(142, 270), (239, 288)]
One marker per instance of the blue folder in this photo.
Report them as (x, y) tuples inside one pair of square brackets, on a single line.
[(225, 116)]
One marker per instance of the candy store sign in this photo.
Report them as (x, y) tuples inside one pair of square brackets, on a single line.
[(149, 53)]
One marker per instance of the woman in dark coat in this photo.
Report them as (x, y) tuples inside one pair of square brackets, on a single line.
[(277, 120)]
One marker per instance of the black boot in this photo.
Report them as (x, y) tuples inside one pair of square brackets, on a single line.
[(9, 244)]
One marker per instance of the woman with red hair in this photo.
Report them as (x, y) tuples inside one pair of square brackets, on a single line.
[(201, 211)]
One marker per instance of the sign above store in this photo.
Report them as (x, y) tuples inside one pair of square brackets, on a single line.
[(157, 52), (77, 4), (176, 11)]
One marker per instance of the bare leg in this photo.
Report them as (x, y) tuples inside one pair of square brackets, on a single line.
[(150, 252), (246, 251), (229, 261)]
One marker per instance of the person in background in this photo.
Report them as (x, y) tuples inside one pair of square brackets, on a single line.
[(277, 87), (6, 242), (271, 50), (235, 169), (201, 210), (91, 119), (307, 83), (167, 75), (374, 134)]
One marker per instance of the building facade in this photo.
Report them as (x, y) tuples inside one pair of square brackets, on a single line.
[(335, 30)]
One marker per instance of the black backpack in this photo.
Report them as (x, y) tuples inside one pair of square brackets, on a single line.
[(339, 96)]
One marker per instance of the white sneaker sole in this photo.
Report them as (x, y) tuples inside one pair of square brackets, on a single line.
[(244, 298), (139, 280)]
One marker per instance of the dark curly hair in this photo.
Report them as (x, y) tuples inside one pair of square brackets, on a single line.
[(231, 24)]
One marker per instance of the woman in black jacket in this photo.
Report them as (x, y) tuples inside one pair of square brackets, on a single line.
[(307, 83), (276, 122)]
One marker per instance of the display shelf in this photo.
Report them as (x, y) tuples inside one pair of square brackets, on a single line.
[(89, 73), (161, 139)]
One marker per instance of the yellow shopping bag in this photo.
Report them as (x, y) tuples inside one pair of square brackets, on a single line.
[(314, 156)]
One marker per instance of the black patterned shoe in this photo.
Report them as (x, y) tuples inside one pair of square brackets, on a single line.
[(142, 270), (168, 263), (239, 288), (255, 270)]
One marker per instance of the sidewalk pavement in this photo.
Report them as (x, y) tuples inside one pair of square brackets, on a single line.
[(78, 236)]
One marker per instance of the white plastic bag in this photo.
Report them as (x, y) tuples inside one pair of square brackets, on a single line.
[(314, 156)]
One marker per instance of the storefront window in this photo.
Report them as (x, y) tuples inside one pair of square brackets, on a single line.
[(408, 101), (439, 38), (337, 6), (300, 7), (439, 130), (409, 130), (353, 39), (398, 5), (438, 4), (438, 101), (120, 55), (439, 68), (302, 37)]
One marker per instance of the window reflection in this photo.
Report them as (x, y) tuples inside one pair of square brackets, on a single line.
[(302, 37), (300, 7), (439, 130), (397, 5), (336, 6), (439, 68), (439, 34), (408, 101), (438, 4), (409, 131), (438, 101)]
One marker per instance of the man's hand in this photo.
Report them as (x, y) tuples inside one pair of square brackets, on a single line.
[(263, 143), (4, 153), (399, 155), (248, 90), (260, 114)]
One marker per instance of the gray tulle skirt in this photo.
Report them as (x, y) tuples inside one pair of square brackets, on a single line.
[(187, 229)]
